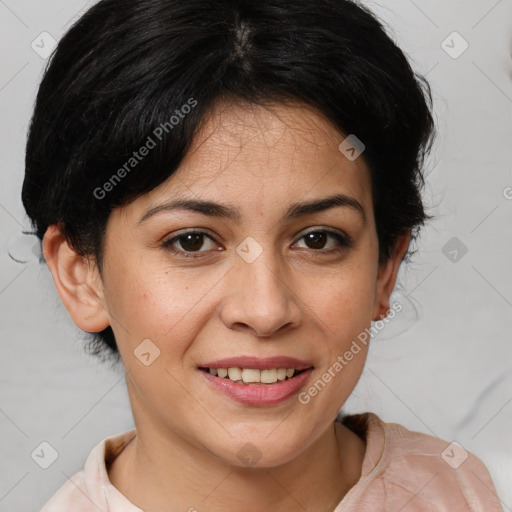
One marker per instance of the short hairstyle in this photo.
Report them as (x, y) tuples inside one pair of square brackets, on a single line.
[(129, 72)]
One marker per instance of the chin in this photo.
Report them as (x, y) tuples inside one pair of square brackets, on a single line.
[(259, 450)]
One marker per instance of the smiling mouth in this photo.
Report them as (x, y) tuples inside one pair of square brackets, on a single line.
[(254, 376)]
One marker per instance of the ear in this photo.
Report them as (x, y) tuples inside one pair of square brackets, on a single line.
[(77, 280), (386, 277)]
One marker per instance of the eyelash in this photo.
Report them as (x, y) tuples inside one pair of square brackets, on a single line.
[(344, 241)]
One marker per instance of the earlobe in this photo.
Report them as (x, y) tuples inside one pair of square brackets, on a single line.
[(77, 281), (386, 277)]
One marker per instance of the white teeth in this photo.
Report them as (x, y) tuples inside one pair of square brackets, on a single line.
[(235, 373), (251, 375), (269, 376)]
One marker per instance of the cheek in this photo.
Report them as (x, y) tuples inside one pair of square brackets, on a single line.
[(153, 302), (344, 303), (345, 309)]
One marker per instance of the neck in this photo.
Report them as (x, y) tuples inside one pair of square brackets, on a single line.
[(163, 470), (158, 473)]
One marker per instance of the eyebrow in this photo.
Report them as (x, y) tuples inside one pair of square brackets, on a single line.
[(229, 212)]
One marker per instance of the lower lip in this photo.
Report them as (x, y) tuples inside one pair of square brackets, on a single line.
[(259, 395)]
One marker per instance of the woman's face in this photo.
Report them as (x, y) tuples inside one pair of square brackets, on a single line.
[(264, 278)]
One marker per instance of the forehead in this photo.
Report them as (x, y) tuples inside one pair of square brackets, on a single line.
[(266, 155)]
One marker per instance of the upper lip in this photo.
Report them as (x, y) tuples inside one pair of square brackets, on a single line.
[(258, 363)]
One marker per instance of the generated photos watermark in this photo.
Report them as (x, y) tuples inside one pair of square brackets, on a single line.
[(137, 156), (343, 360)]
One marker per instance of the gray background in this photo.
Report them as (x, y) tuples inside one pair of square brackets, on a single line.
[(442, 367)]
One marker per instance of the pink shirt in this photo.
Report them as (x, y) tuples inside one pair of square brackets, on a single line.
[(403, 471)]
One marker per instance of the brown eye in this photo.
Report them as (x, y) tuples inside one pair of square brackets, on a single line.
[(191, 242), (317, 240), (188, 243)]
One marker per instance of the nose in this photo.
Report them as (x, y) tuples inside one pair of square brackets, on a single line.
[(259, 300)]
